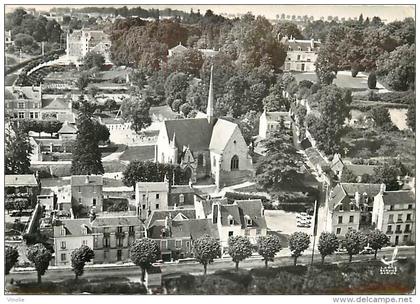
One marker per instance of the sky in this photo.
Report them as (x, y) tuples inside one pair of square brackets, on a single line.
[(385, 12)]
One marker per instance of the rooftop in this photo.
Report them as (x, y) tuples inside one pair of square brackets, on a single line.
[(83, 180), (152, 186), (22, 180), (399, 197)]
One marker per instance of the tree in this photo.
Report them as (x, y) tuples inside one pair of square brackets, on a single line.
[(41, 257), (327, 244), (268, 246), (281, 162), (176, 86), (185, 108), (328, 128), (287, 29), (411, 114), (325, 71), (239, 249), (17, 151), (188, 62), (136, 111), (388, 174), (298, 243), (86, 154), (92, 60), (376, 239), (143, 253), (82, 82), (79, 257), (101, 131), (53, 30), (354, 242), (382, 118), (372, 80), (348, 176), (397, 68), (11, 258), (206, 249)]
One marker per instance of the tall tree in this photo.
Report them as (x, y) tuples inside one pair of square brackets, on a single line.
[(376, 239), (239, 249), (17, 150), (86, 154), (327, 244), (206, 249), (143, 253), (298, 243), (268, 246), (288, 29), (93, 60), (41, 257), (281, 162), (354, 242), (136, 111), (11, 257), (79, 257), (411, 114)]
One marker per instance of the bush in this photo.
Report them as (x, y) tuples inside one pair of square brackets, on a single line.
[(372, 81)]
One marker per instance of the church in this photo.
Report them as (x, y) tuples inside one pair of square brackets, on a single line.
[(206, 147)]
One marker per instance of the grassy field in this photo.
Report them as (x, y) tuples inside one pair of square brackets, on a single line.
[(142, 153)]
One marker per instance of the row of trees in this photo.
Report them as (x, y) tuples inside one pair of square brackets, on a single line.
[(147, 171), (144, 252)]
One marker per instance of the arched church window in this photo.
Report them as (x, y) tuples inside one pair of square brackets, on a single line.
[(234, 163), (200, 160)]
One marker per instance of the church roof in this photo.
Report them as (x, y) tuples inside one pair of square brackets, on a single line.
[(222, 132), (193, 132)]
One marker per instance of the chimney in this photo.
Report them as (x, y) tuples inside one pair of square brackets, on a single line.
[(312, 43), (87, 179), (92, 216), (382, 189), (262, 211), (168, 222)]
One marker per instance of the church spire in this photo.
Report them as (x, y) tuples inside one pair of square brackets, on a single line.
[(210, 102)]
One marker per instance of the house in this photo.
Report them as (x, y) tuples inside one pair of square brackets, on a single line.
[(243, 217), (301, 54), (8, 38), (64, 202), (270, 122), (179, 49), (22, 185), (181, 196), (151, 196), (394, 214), (205, 147), (175, 231), (67, 132), (47, 199), (81, 42), (109, 236), (23, 102), (86, 190), (349, 206), (337, 165)]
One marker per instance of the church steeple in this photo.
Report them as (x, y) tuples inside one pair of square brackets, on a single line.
[(210, 101)]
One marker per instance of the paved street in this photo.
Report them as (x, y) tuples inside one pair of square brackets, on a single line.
[(133, 272)]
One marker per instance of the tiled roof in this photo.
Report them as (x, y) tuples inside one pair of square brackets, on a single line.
[(176, 189), (222, 132), (315, 157), (152, 186), (193, 132), (178, 48), (369, 189), (83, 180), (230, 210), (251, 208), (162, 214), (399, 197), (68, 128), (194, 228), (75, 227), (56, 103), (116, 221), (21, 180)]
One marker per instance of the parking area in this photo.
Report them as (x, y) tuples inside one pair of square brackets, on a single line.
[(283, 222)]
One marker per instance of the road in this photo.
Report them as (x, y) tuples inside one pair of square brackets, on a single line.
[(133, 272)]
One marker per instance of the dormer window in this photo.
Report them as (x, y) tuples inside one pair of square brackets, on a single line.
[(181, 198), (230, 220), (340, 208), (351, 207), (248, 220), (63, 231)]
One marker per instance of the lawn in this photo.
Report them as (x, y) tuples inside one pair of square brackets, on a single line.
[(141, 153)]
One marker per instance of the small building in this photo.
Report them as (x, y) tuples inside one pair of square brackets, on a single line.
[(47, 199), (179, 49), (349, 206), (270, 122), (67, 132), (22, 185), (81, 42), (301, 54), (86, 190), (243, 217), (64, 198), (394, 214), (23, 102), (181, 196), (151, 196)]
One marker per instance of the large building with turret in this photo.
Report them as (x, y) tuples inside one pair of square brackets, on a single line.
[(206, 147)]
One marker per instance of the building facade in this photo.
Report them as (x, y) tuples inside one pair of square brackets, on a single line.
[(86, 190), (301, 54)]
